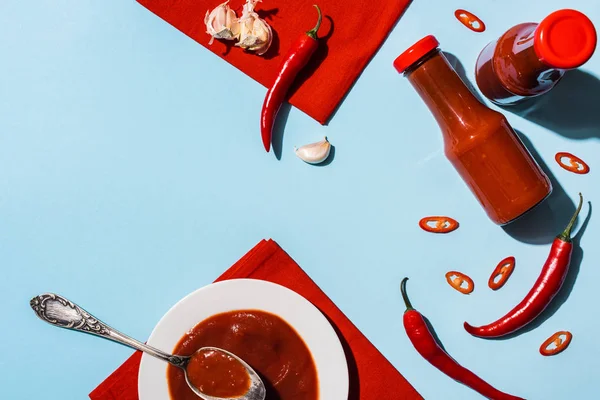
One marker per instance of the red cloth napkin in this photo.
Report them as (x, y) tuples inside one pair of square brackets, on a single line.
[(351, 33), (372, 377)]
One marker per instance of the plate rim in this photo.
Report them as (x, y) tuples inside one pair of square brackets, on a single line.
[(317, 314)]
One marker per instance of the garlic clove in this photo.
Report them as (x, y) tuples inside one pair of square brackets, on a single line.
[(314, 153), (255, 32), (222, 23)]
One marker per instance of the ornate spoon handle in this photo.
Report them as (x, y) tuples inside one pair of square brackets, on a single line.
[(61, 312)]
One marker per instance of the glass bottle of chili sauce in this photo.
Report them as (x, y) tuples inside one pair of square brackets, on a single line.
[(530, 58), (478, 141)]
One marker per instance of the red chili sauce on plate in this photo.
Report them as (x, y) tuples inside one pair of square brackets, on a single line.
[(263, 340)]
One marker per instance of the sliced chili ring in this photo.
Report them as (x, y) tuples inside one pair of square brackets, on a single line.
[(503, 270), (559, 343), (572, 164), (470, 20), (437, 224), (457, 279)]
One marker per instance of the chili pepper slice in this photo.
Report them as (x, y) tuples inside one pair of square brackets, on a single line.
[(503, 270), (572, 164), (470, 20), (559, 343), (438, 224), (456, 280)]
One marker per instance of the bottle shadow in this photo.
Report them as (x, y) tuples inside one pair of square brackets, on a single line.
[(567, 287), (541, 224), (570, 108)]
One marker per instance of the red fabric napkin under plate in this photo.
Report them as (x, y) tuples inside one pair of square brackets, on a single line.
[(372, 377), (352, 31)]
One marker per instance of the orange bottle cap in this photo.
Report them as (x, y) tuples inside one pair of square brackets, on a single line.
[(415, 52), (565, 39)]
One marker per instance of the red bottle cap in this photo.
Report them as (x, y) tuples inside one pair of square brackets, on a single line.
[(565, 39), (415, 52)]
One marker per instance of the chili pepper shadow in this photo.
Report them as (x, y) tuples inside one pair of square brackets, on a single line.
[(548, 219), (280, 122), (462, 73), (433, 332), (569, 109), (354, 390), (317, 58), (567, 287)]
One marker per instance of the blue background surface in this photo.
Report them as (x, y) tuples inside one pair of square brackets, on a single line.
[(132, 173)]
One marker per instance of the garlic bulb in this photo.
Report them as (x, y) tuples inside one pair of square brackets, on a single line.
[(255, 33), (222, 23), (314, 153)]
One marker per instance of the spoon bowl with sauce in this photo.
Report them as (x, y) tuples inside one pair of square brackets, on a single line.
[(211, 373)]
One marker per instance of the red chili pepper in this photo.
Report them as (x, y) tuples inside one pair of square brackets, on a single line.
[(425, 343), (456, 280), (296, 59), (442, 224), (545, 288), (504, 269), (575, 164), (560, 344)]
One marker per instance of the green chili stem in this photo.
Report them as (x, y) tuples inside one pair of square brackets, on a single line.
[(404, 295), (313, 32), (566, 234)]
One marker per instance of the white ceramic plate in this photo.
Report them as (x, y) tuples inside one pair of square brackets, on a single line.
[(249, 294)]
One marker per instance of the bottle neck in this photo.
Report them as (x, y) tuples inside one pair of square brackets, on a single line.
[(450, 101)]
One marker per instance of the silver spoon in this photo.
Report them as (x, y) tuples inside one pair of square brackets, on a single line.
[(58, 311)]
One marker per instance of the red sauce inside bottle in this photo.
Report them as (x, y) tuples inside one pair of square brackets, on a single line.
[(530, 59), (478, 141), (263, 340)]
